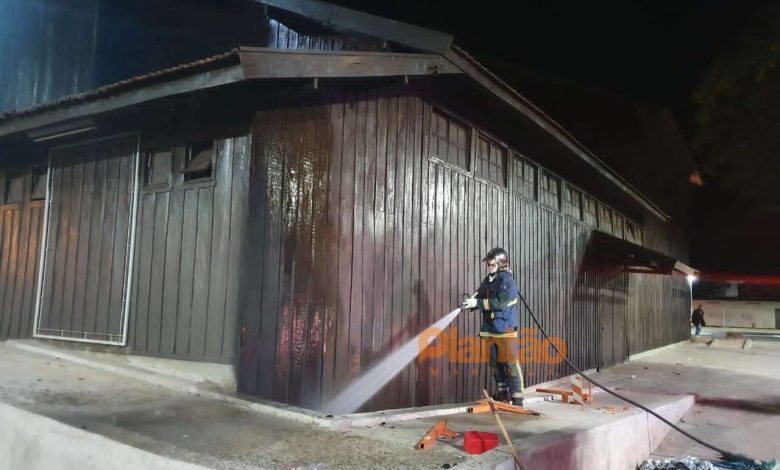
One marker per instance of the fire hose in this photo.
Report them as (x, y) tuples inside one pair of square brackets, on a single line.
[(725, 453)]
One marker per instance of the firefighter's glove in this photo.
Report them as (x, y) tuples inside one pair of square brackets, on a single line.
[(469, 304)]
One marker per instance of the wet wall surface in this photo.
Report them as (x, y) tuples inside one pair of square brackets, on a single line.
[(361, 241)]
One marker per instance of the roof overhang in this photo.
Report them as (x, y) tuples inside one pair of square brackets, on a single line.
[(248, 63), (99, 102), (256, 63), (611, 251), (259, 62)]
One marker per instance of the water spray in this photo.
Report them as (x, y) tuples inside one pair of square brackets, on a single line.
[(360, 391)]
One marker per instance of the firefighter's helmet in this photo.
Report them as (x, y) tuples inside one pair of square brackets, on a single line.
[(499, 255)]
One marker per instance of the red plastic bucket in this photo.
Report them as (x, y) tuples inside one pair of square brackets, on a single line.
[(475, 442)]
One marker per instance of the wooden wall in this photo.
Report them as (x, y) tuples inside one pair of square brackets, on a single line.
[(85, 276), (366, 242), (20, 236), (185, 296), (659, 311), (54, 48)]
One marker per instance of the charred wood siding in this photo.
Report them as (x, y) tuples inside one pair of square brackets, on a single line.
[(47, 50), (20, 236), (185, 296), (281, 36), (54, 48), (86, 260), (658, 311), (366, 241)]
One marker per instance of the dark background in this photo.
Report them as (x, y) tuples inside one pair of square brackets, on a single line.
[(676, 53)]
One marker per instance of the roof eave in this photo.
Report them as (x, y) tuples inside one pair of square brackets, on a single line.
[(100, 104)]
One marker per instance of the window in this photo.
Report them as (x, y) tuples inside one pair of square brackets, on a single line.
[(159, 167), (194, 161), (617, 225), (572, 203), (449, 140), (630, 231), (590, 212), (14, 188), (524, 178), (550, 191), (605, 219), (199, 165), (38, 192), (491, 161)]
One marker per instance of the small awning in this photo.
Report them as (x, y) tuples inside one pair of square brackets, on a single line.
[(606, 249)]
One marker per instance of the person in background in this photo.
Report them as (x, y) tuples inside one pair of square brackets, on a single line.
[(697, 318)]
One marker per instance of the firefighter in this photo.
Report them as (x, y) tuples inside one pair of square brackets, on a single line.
[(497, 299)]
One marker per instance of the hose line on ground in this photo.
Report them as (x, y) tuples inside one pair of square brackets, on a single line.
[(626, 399)]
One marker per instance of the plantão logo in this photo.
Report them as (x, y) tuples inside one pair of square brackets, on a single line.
[(527, 347)]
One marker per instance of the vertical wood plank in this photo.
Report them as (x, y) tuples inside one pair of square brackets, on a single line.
[(159, 258), (219, 258), (173, 258), (238, 215), (143, 281), (85, 240), (333, 310), (96, 242), (201, 274), (121, 222), (71, 246), (186, 272), (107, 261)]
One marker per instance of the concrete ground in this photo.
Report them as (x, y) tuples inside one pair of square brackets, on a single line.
[(739, 409), (737, 394)]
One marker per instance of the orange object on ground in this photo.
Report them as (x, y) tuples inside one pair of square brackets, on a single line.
[(440, 430), (567, 395), (479, 442), (482, 406)]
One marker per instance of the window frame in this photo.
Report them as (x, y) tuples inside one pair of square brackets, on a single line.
[(179, 157), (149, 152), (520, 183), (618, 224), (569, 188), (188, 158), (603, 225), (452, 121), (7, 178), (585, 213), (544, 193), (38, 173), (503, 148)]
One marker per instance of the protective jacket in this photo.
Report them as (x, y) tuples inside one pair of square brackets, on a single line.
[(497, 300)]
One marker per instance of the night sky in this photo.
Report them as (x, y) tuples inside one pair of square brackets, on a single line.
[(650, 50), (654, 50)]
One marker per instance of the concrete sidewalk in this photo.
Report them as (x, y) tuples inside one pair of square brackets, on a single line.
[(218, 433), (737, 394)]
